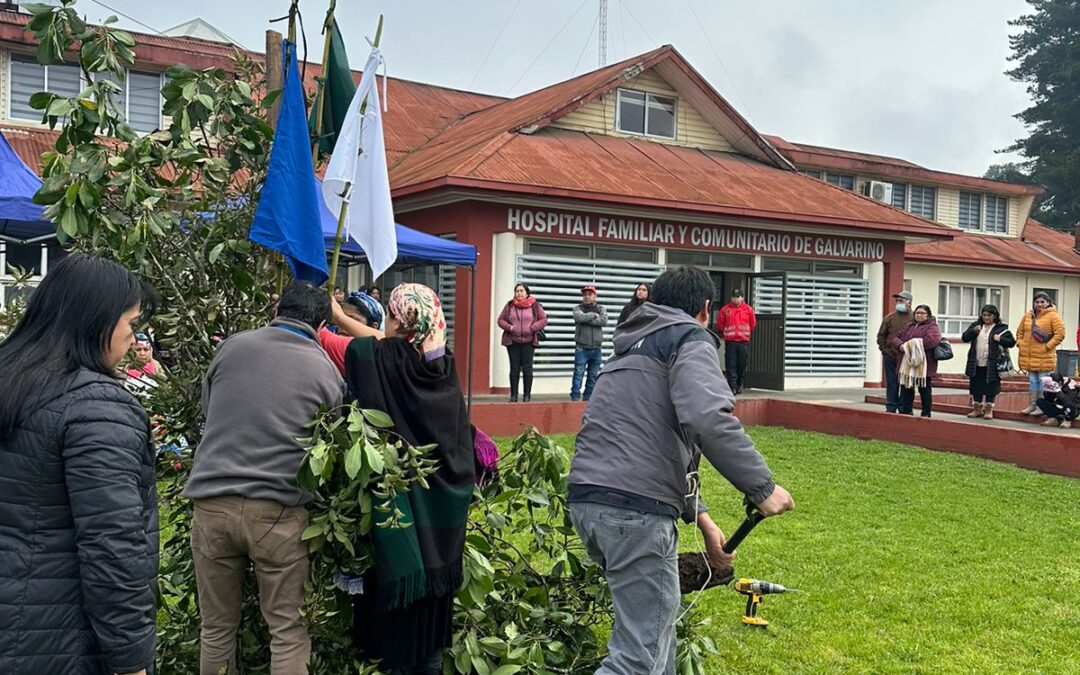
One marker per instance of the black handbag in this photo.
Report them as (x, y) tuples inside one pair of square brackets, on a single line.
[(541, 335), (943, 351)]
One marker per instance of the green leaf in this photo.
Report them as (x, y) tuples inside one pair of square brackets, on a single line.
[(215, 252), (374, 457), (71, 195), (313, 531), (353, 460), (205, 100), (377, 418), (508, 669), (123, 38), (69, 223), (41, 100)]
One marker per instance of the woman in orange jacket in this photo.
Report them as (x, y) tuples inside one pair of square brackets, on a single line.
[(1038, 336)]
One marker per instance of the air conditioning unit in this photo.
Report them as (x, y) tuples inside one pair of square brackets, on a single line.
[(879, 192)]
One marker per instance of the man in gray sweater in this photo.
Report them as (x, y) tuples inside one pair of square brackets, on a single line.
[(263, 388), (660, 402)]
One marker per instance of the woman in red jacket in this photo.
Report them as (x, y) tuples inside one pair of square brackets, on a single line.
[(916, 343), (522, 319)]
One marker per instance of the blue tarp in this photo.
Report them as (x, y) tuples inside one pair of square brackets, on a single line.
[(20, 218), (413, 246)]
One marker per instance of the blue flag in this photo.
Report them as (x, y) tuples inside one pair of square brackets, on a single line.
[(287, 218)]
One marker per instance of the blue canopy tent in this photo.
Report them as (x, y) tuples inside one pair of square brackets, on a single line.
[(416, 248), (21, 219)]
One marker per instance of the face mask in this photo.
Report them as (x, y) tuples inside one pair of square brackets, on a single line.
[(901, 307)]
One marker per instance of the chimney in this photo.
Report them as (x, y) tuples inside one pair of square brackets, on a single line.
[(1076, 237)]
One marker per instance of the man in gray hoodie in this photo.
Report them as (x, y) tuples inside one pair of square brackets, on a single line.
[(660, 402)]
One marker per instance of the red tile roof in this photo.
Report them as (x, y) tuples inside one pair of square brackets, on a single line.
[(573, 164), (30, 143), (832, 158), (1040, 248)]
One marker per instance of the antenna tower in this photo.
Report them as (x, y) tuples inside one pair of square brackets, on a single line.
[(603, 33)]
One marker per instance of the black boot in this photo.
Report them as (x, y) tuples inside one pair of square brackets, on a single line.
[(513, 398), (526, 398)]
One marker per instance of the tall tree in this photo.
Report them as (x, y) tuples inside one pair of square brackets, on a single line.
[(1047, 54)]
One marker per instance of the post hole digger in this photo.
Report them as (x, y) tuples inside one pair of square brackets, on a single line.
[(697, 574)]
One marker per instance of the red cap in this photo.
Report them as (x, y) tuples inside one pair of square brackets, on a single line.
[(588, 287)]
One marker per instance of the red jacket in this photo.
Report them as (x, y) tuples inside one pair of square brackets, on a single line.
[(734, 323)]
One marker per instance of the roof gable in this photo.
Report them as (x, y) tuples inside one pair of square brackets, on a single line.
[(475, 137)]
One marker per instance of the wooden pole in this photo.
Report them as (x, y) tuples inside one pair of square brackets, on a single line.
[(320, 91), (338, 240), (274, 81)]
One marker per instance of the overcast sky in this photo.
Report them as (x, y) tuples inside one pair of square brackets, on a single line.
[(921, 79)]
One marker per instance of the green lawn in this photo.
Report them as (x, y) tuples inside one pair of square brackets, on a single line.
[(912, 561)]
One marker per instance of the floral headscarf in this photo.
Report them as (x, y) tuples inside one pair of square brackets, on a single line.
[(420, 313)]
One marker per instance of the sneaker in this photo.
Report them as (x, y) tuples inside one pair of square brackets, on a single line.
[(1066, 424), (1051, 422), (1029, 410)]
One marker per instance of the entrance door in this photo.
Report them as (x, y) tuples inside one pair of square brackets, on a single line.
[(767, 292)]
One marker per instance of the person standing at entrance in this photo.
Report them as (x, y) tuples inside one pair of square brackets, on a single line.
[(590, 317), (990, 341), (1038, 336), (262, 390), (522, 321), (735, 324), (891, 325)]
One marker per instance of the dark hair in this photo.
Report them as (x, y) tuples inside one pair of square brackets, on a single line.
[(525, 286), (1042, 295), (929, 312), (685, 288), (305, 302), (634, 301), (991, 309), (68, 325)]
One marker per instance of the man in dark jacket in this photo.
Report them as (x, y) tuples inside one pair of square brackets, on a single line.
[(590, 318), (891, 325), (262, 389), (661, 401)]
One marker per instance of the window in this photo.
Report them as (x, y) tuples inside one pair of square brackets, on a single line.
[(806, 266), (796, 265), (996, 219), (734, 261), (648, 114), (841, 180), (627, 253), (899, 195), (139, 99), (924, 201), (959, 305), (1052, 292), (813, 173), (28, 77), (970, 211), (907, 285)]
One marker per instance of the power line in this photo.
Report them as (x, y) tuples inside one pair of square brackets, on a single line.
[(492, 47), (585, 46), (652, 43), (127, 16), (548, 46), (735, 87)]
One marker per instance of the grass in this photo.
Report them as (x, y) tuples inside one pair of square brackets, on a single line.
[(911, 561)]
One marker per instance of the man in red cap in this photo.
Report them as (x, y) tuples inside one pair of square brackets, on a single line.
[(590, 318)]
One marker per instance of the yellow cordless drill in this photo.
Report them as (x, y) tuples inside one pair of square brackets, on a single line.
[(754, 590)]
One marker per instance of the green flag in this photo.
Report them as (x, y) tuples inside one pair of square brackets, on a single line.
[(339, 89)]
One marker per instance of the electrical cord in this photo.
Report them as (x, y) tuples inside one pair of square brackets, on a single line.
[(693, 491)]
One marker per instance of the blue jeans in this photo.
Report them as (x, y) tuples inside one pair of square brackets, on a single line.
[(639, 554), (1035, 381), (585, 357), (892, 384)]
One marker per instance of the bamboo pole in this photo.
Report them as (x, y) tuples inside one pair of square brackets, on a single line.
[(320, 92), (338, 241)]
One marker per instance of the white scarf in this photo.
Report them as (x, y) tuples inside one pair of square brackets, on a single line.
[(913, 364)]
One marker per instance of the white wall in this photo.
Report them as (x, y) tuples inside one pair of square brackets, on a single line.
[(503, 278)]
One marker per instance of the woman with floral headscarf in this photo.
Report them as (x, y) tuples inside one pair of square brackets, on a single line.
[(403, 616)]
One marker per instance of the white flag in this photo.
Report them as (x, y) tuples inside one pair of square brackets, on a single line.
[(357, 176)]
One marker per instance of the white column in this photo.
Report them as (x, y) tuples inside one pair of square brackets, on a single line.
[(503, 279), (875, 274)]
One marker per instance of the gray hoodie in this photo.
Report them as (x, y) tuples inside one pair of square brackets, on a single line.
[(660, 402)]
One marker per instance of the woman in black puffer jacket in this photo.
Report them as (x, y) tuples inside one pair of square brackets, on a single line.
[(78, 507)]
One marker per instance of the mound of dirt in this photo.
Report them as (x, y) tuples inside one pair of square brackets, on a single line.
[(693, 571)]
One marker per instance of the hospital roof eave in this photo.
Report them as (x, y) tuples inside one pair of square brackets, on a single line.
[(931, 232)]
